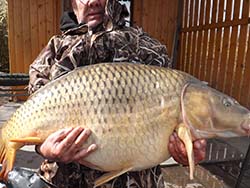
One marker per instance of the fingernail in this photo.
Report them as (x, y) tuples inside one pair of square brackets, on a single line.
[(87, 131), (204, 142), (171, 138), (92, 147)]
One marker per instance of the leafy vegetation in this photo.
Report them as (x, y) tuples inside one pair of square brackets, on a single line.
[(4, 54)]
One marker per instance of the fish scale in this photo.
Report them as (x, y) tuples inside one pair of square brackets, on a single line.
[(131, 109)]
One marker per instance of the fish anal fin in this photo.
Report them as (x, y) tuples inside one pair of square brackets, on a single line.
[(184, 134), (8, 163), (110, 175), (28, 140)]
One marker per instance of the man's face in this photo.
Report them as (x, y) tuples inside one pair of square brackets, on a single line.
[(90, 12)]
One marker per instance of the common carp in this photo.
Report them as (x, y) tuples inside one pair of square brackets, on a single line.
[(131, 109)]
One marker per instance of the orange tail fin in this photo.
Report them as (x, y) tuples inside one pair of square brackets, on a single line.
[(7, 158)]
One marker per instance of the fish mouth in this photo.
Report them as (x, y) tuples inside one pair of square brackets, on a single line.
[(245, 127)]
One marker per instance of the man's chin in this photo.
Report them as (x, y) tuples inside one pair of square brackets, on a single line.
[(94, 23)]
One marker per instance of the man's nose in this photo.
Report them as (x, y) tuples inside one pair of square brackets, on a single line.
[(90, 2), (93, 2)]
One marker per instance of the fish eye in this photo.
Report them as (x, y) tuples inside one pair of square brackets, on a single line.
[(227, 103)]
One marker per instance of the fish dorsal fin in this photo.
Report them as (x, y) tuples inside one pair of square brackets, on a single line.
[(185, 135), (110, 175), (28, 140)]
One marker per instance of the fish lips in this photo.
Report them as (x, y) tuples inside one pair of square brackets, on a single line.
[(245, 127)]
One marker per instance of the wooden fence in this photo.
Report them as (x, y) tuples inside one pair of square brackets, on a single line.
[(31, 24), (215, 44), (158, 18)]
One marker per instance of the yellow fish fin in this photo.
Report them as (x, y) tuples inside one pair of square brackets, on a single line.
[(28, 140), (7, 159), (185, 135), (111, 175)]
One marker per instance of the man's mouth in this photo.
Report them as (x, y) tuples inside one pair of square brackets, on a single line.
[(92, 13)]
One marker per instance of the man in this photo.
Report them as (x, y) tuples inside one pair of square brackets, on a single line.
[(95, 33)]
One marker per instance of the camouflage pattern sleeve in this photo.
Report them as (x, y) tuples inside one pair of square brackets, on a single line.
[(133, 45), (39, 71), (151, 51), (73, 175)]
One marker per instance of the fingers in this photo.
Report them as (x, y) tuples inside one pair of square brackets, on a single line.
[(71, 145), (82, 137), (178, 151), (69, 140), (200, 150), (59, 135), (66, 145), (84, 152)]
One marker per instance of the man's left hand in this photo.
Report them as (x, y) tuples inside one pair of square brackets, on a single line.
[(178, 151)]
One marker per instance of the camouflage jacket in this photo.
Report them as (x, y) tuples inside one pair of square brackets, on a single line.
[(110, 42), (76, 46)]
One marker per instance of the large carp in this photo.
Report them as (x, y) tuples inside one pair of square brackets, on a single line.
[(131, 109)]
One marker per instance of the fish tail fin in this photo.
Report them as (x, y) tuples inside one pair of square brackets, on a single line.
[(7, 158)]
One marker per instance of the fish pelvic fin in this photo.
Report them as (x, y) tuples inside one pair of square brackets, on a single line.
[(185, 135), (28, 140), (109, 176), (7, 158)]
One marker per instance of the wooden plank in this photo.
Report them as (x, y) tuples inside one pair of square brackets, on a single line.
[(54, 17), (41, 13), (213, 39), (195, 37), (200, 40), (181, 42), (11, 41), (18, 37), (218, 47), (58, 16), (188, 51), (245, 85), (26, 35), (160, 26), (205, 43), (238, 89), (34, 29), (180, 53), (50, 24), (137, 12), (185, 38), (146, 17), (168, 31), (191, 36), (247, 71), (225, 48), (230, 71)]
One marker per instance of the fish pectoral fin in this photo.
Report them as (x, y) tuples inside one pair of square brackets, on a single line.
[(185, 135), (28, 140), (111, 175)]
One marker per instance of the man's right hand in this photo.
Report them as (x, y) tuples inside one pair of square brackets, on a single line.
[(66, 145)]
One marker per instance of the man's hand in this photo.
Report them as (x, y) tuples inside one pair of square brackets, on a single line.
[(178, 151), (65, 145)]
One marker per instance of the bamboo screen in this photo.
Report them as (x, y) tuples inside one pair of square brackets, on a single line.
[(31, 24), (215, 45)]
